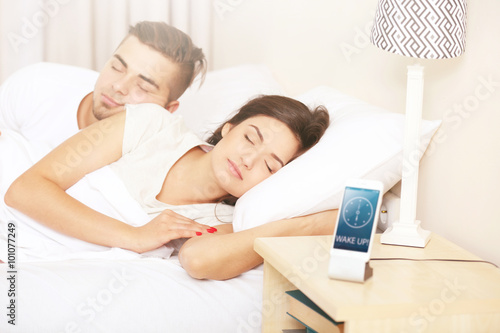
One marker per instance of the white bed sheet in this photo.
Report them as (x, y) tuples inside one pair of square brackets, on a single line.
[(93, 290), (137, 295)]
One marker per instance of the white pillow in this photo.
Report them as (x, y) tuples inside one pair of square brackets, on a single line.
[(362, 141), (222, 94)]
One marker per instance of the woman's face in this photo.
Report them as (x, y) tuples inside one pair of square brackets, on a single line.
[(250, 152)]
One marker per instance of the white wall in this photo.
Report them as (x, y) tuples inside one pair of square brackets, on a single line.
[(86, 32), (313, 42)]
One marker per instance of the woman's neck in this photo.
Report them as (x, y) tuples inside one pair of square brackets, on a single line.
[(191, 181)]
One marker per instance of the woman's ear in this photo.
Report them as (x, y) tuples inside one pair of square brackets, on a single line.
[(225, 129)]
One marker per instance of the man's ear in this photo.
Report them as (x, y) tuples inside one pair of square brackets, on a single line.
[(172, 106), (225, 129)]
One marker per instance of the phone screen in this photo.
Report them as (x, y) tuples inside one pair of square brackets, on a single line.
[(356, 219)]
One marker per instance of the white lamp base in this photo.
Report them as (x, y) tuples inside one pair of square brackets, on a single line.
[(407, 230), (406, 234)]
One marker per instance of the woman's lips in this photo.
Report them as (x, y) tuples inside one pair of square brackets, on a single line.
[(233, 168), (109, 101)]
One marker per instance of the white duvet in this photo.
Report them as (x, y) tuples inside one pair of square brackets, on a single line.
[(135, 295), (66, 285), (101, 190)]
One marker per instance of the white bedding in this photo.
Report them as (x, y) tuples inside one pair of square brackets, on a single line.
[(101, 190), (137, 295), (91, 288)]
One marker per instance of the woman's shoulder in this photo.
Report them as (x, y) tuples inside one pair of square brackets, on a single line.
[(145, 121), (149, 111)]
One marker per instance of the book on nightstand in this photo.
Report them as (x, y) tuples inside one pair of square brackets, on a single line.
[(302, 309)]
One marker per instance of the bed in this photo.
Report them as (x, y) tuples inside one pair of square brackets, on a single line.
[(122, 292)]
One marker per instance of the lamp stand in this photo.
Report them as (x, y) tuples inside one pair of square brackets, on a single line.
[(407, 230)]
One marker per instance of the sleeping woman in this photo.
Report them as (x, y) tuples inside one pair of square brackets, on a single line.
[(164, 166)]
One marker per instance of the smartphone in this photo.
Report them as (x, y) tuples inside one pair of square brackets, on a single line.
[(356, 223)]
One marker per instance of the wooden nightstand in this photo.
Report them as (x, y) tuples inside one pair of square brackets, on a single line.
[(402, 296)]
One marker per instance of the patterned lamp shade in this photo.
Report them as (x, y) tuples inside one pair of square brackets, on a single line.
[(430, 29)]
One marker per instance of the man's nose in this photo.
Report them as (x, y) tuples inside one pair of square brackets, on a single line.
[(122, 85)]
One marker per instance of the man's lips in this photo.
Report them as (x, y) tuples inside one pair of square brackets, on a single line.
[(233, 168), (109, 101)]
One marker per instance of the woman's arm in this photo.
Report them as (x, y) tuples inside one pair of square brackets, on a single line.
[(225, 254), (40, 193)]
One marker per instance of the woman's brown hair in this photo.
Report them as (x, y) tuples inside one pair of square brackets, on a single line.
[(307, 125)]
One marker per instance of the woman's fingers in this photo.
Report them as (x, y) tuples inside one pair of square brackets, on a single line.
[(181, 221), (188, 233), (168, 226)]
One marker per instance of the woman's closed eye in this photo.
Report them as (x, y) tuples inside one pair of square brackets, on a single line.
[(248, 139), (271, 171)]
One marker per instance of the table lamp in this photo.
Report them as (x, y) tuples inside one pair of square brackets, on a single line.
[(430, 29)]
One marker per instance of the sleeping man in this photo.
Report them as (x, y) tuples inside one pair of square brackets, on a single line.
[(44, 104), (155, 63)]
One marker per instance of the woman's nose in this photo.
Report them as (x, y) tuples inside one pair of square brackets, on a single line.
[(249, 158)]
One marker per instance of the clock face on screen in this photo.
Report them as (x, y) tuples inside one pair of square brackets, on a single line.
[(357, 212)]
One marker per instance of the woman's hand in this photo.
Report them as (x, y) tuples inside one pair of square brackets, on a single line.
[(166, 227), (227, 254)]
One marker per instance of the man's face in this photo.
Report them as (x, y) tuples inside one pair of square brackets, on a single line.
[(135, 73)]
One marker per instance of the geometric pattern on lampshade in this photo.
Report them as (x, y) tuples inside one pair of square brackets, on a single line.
[(430, 29)]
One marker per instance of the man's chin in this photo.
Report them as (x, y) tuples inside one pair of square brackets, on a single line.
[(103, 112)]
